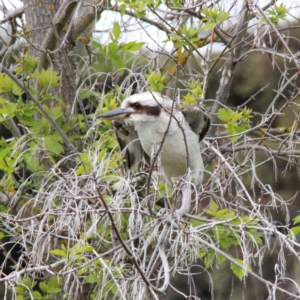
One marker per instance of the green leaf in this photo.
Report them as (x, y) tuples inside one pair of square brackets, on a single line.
[(196, 223), (238, 271), (85, 93), (190, 32), (214, 207), (85, 249), (188, 99), (208, 26), (96, 44), (239, 129), (213, 17), (117, 30), (56, 112), (294, 231), (122, 9), (32, 162), (202, 254), (236, 122), (54, 290), (175, 3), (85, 166), (222, 16), (118, 63), (43, 286), (28, 282), (91, 278), (54, 143), (209, 259), (257, 238), (111, 143), (221, 259), (226, 239), (222, 212), (54, 285), (27, 64), (174, 36), (59, 252), (224, 115), (6, 83), (5, 162), (278, 12), (111, 48), (20, 289), (27, 112), (156, 81), (110, 286), (133, 46), (8, 109), (47, 78), (16, 90), (247, 112), (37, 295), (53, 97), (296, 220), (2, 235)]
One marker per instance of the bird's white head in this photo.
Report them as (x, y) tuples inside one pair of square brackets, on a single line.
[(140, 107)]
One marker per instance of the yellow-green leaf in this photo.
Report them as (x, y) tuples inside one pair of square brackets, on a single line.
[(47, 78), (6, 83), (294, 231), (240, 272), (117, 30), (296, 220), (59, 252), (54, 143)]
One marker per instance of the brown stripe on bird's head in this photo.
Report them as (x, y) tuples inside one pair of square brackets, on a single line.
[(145, 109)]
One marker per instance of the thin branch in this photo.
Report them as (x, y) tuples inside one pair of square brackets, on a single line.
[(47, 268), (115, 229), (292, 56), (158, 25)]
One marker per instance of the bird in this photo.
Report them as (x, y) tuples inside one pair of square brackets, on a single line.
[(150, 118)]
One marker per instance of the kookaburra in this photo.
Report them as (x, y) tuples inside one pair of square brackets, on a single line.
[(148, 119)]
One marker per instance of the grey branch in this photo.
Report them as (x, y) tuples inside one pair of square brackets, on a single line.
[(229, 66)]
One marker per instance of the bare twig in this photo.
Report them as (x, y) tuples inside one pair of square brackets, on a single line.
[(292, 56)]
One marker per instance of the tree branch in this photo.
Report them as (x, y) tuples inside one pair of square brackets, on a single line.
[(228, 68), (61, 18), (17, 13)]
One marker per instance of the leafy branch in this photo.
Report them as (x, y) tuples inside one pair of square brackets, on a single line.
[(65, 138)]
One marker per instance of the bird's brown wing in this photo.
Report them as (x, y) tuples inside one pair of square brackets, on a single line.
[(130, 145), (198, 119)]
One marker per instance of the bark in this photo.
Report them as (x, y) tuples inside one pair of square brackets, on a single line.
[(229, 67), (45, 21), (54, 28)]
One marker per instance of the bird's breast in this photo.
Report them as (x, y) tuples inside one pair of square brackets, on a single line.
[(180, 149)]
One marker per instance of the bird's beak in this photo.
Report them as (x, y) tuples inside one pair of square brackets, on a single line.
[(117, 114)]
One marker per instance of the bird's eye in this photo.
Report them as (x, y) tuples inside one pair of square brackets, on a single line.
[(137, 105)]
